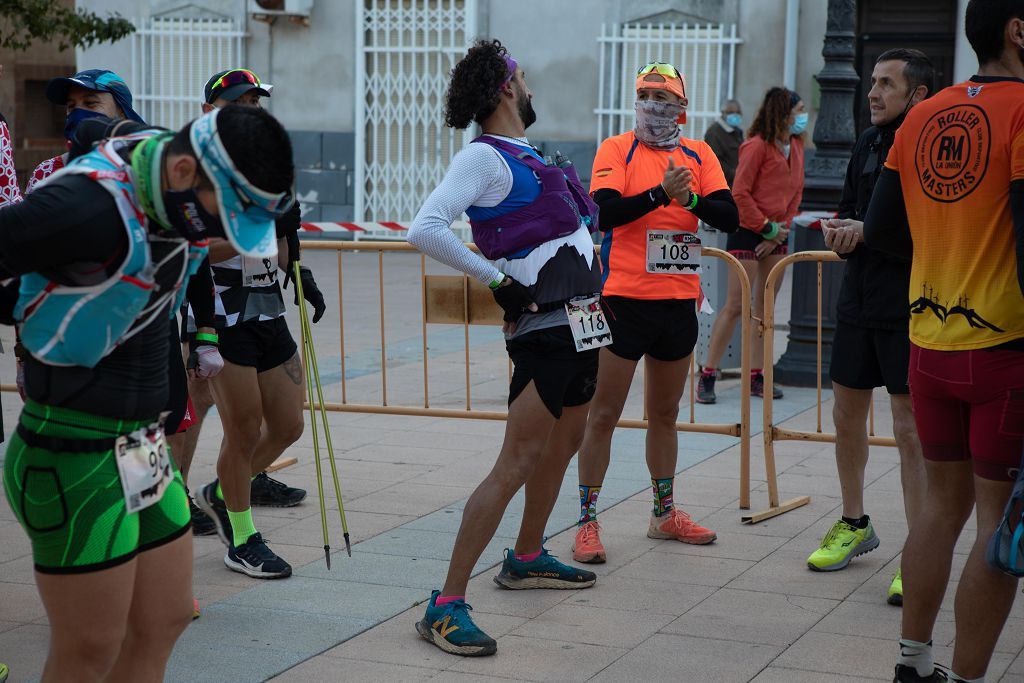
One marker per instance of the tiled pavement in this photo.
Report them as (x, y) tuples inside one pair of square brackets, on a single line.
[(745, 608)]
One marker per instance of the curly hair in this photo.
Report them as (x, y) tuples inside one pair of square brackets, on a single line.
[(771, 120), (475, 87)]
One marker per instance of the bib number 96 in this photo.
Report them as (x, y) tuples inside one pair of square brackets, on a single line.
[(144, 465)]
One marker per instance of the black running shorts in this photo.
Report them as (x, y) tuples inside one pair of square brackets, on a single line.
[(664, 329), (743, 242), (564, 377), (260, 344), (865, 358)]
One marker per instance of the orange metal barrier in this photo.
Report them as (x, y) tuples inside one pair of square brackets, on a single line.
[(772, 433), (455, 299)]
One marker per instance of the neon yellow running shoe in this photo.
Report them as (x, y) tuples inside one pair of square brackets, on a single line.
[(841, 544), (895, 596)]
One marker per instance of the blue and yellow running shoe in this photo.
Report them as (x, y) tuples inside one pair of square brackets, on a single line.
[(543, 572), (450, 628)]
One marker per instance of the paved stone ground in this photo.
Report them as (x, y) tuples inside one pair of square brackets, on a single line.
[(745, 608)]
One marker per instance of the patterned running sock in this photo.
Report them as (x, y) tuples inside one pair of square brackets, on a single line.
[(445, 599), (588, 503), (709, 371), (242, 526), (527, 557), (662, 489), (917, 655), (859, 522)]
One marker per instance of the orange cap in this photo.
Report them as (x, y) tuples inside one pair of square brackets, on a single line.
[(676, 86)]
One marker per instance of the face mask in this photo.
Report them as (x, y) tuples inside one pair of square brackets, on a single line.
[(799, 124), (657, 123), (75, 117), (734, 120), (188, 217)]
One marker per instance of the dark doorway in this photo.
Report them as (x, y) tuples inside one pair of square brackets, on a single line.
[(927, 25)]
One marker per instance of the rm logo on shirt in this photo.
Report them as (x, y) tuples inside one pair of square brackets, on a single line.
[(952, 152)]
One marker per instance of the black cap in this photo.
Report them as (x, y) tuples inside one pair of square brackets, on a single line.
[(234, 91)]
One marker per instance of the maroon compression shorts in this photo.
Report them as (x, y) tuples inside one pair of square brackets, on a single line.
[(970, 405)]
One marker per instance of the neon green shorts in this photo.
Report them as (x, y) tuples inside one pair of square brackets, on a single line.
[(62, 482)]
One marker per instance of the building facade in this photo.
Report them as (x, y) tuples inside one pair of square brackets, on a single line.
[(360, 83)]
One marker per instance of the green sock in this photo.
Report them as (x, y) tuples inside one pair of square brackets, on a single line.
[(242, 526), (662, 489), (220, 491)]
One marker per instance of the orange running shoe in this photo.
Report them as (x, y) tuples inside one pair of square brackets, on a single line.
[(195, 609), (587, 548), (678, 525)]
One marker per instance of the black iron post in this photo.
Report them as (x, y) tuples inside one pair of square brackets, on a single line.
[(825, 168)]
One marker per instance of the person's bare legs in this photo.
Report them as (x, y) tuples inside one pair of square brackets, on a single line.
[(662, 393), (985, 595), (282, 390), (546, 481), (201, 394), (96, 618), (928, 552), (764, 267), (850, 415), (728, 314), (527, 432), (912, 471), (161, 610), (614, 377), (236, 391)]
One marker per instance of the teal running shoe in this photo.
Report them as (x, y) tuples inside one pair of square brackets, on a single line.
[(450, 628), (543, 572)]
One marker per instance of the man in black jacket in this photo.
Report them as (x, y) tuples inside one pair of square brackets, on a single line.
[(871, 346)]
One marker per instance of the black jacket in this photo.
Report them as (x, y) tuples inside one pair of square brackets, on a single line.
[(875, 284)]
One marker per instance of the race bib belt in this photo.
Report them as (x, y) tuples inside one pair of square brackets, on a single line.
[(144, 465), (673, 252), (586, 320)]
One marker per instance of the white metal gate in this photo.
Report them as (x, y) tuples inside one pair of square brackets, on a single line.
[(405, 52), (173, 57), (704, 53)]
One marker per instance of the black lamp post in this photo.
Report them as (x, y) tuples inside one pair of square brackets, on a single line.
[(825, 168)]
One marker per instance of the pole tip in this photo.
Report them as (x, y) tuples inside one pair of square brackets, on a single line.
[(327, 556), (348, 545)]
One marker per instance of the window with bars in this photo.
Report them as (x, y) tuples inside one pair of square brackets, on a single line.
[(704, 53), (173, 57)]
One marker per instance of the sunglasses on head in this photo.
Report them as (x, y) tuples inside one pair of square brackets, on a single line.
[(236, 76), (661, 68)]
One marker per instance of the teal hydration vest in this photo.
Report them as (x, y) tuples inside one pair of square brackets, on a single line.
[(66, 325)]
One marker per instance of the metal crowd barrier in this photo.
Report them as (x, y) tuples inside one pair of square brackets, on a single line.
[(772, 433)]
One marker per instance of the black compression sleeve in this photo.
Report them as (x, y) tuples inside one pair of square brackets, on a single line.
[(69, 220), (617, 210), (719, 211), (1017, 209), (200, 295), (885, 226)]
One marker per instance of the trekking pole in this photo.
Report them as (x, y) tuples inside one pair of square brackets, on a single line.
[(306, 346), (314, 369)]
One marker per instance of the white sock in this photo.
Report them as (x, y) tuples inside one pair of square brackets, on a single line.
[(960, 679), (917, 655)]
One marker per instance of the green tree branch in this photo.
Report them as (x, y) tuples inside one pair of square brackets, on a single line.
[(24, 22)]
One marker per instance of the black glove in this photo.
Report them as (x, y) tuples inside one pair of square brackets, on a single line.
[(310, 292), (513, 298)]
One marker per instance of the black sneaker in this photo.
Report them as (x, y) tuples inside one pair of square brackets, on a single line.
[(908, 674), (216, 510), (757, 387), (706, 388), (202, 525), (272, 493), (253, 558)]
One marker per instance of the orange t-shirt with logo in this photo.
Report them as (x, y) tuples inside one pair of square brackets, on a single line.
[(628, 167), (957, 154)]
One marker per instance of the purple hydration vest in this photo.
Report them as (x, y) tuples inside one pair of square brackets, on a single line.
[(558, 210)]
